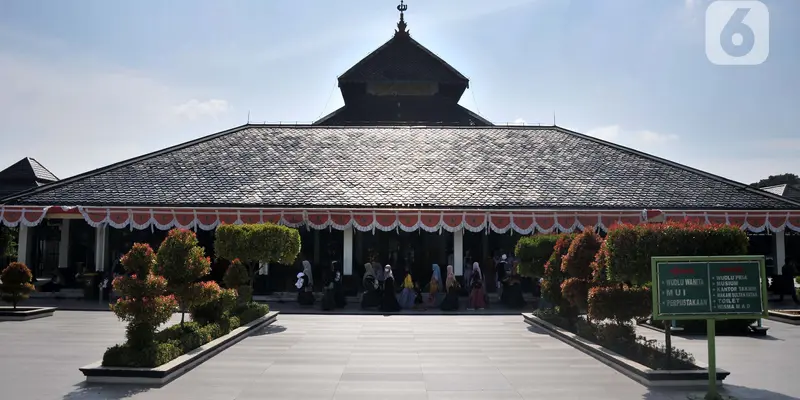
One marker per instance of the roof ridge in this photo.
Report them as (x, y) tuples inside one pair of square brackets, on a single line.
[(687, 168), (123, 163), (31, 159), (419, 45)]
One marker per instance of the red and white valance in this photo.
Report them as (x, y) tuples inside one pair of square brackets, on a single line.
[(498, 221)]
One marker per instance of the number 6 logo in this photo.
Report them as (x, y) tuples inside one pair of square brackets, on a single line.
[(737, 32)]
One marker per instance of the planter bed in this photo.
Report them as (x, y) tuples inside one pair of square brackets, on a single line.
[(752, 330), (634, 370), (25, 313), (785, 316), (96, 373)]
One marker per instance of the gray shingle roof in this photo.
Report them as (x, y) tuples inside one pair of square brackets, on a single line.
[(23, 175), (431, 167)]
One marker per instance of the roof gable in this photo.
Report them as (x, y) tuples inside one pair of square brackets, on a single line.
[(435, 167), (403, 59)]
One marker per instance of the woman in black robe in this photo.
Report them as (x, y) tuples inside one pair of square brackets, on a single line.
[(371, 297), (389, 300), (329, 298), (450, 302), (338, 287), (513, 291)]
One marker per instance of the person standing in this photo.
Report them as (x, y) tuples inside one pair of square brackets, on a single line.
[(370, 297), (788, 273), (450, 302), (435, 284), (389, 299), (305, 285), (329, 296), (476, 297)]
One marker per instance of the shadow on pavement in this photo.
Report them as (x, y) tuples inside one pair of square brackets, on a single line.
[(736, 392), (84, 391), (269, 330)]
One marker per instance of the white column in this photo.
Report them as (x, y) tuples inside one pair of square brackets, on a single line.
[(780, 251), (347, 254), (100, 247), (458, 252), (63, 245), (23, 244)]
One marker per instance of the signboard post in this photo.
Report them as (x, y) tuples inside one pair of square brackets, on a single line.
[(710, 288)]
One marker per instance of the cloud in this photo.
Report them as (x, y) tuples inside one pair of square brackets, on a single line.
[(194, 109), (75, 114), (518, 121), (655, 137)]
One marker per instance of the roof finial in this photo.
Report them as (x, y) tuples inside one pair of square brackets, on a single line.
[(401, 26)]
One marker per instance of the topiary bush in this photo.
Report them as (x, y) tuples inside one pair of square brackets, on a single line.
[(144, 303), (619, 303), (553, 277), (575, 291), (533, 252), (16, 284), (236, 277), (254, 243), (183, 262), (581, 254), (250, 312), (217, 310), (630, 247)]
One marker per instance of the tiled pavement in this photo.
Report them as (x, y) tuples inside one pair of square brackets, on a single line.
[(346, 357)]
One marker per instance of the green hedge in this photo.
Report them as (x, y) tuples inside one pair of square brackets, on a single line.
[(621, 304), (252, 243), (533, 252), (553, 276), (630, 248)]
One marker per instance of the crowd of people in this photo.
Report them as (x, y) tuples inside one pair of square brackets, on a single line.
[(380, 290)]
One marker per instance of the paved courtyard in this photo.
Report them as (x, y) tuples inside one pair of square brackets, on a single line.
[(366, 357)]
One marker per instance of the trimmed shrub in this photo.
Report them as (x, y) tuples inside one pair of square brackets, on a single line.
[(16, 284), (182, 261), (621, 304), (553, 277), (143, 304), (575, 291), (533, 252), (236, 278), (254, 243), (581, 254), (8, 244), (217, 310), (599, 265), (630, 247), (250, 312), (150, 356)]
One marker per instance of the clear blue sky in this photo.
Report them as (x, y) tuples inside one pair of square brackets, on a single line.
[(87, 83)]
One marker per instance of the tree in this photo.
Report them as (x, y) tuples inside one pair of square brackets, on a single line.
[(788, 179), (183, 262), (254, 243), (16, 284), (144, 303), (8, 245)]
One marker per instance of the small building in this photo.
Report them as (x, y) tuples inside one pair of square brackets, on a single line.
[(401, 174), (23, 175)]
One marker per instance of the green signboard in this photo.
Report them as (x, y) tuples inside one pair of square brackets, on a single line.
[(726, 287)]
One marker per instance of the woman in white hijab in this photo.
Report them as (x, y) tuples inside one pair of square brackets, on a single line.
[(389, 299), (305, 285), (476, 295)]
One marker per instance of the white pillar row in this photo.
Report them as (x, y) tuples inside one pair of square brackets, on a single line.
[(347, 254), (780, 251), (23, 244), (101, 247), (458, 252), (63, 245)]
